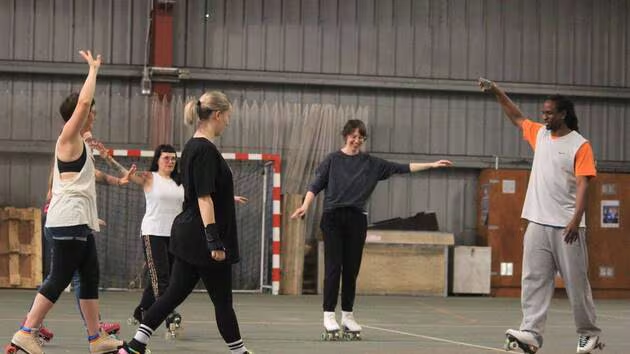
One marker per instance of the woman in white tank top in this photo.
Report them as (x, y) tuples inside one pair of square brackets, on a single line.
[(72, 219), (164, 196)]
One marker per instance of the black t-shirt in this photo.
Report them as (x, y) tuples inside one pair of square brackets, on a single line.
[(349, 180), (204, 172)]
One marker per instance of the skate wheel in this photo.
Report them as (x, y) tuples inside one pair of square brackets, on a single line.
[(510, 345), (10, 349)]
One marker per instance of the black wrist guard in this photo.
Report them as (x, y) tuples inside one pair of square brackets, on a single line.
[(212, 238)]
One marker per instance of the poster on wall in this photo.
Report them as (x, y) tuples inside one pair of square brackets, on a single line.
[(610, 214)]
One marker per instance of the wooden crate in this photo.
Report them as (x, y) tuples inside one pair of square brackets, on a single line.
[(405, 263), (20, 248)]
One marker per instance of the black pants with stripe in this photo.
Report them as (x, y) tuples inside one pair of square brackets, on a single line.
[(217, 278), (159, 263), (344, 231)]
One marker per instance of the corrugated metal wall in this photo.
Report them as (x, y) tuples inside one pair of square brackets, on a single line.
[(559, 41), (525, 41), (55, 30)]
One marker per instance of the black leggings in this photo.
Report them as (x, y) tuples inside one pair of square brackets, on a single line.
[(159, 263), (344, 237), (217, 279), (69, 256)]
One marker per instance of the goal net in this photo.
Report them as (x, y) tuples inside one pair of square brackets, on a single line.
[(121, 257)]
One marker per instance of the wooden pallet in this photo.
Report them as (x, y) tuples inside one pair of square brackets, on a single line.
[(20, 248)]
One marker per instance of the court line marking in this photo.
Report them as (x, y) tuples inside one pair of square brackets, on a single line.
[(436, 339), (599, 314)]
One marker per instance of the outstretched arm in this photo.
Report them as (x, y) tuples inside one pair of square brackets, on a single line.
[(102, 177), (510, 109), (140, 179), (239, 199), (416, 166)]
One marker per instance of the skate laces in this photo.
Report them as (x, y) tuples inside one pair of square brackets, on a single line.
[(582, 340)]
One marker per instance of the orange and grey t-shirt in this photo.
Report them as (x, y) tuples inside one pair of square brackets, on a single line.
[(551, 194)]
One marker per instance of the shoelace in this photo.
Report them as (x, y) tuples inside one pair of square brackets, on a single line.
[(583, 340)]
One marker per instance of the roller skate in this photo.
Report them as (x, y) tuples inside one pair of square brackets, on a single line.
[(105, 344), (528, 342), (111, 328), (173, 325), (27, 342), (137, 316), (331, 328), (44, 335), (126, 349), (587, 344), (351, 329)]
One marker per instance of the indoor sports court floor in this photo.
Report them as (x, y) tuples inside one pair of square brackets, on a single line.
[(292, 324)]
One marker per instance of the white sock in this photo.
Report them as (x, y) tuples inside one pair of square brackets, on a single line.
[(143, 334), (237, 347)]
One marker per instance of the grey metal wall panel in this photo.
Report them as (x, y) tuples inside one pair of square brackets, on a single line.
[(45, 30), (24, 179), (580, 42), (29, 109), (5, 177), (440, 124)]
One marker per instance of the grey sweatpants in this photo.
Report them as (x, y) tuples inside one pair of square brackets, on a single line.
[(544, 254)]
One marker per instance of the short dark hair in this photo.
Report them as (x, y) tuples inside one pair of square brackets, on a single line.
[(69, 105), (156, 156), (563, 104), (353, 124)]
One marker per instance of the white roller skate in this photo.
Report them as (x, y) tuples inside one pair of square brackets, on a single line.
[(105, 344), (351, 329), (331, 327), (587, 344), (26, 342), (526, 341)]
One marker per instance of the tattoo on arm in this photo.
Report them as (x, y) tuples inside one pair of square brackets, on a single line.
[(115, 165)]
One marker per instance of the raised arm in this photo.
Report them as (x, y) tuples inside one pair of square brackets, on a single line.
[(510, 109), (71, 132)]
